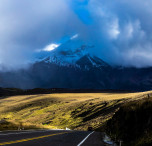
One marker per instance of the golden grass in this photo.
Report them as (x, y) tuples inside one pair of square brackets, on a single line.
[(73, 110)]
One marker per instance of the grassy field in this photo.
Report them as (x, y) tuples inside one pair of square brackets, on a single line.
[(72, 110)]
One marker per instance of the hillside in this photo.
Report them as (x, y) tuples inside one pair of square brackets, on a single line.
[(133, 123), (61, 110)]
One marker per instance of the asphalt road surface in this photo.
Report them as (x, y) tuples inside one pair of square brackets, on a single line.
[(51, 138)]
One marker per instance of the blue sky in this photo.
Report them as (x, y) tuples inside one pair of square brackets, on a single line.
[(80, 9), (120, 30)]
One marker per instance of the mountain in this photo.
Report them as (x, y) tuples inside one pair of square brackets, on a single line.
[(72, 53), (71, 65)]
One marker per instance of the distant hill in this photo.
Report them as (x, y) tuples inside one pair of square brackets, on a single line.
[(17, 91)]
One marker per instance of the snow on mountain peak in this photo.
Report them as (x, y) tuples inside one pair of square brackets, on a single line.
[(73, 52), (70, 51)]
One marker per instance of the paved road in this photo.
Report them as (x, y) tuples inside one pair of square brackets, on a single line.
[(50, 138)]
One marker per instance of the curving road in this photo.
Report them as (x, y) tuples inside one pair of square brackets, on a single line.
[(51, 138)]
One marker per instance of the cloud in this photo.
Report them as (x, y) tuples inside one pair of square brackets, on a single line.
[(122, 31), (119, 30), (74, 36), (50, 47), (30, 25), (114, 29)]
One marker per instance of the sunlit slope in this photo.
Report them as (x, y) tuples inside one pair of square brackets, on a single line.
[(72, 110)]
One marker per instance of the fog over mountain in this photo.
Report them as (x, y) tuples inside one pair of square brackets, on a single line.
[(120, 31), (72, 65)]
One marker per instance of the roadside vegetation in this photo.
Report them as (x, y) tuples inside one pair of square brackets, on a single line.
[(57, 111), (132, 123)]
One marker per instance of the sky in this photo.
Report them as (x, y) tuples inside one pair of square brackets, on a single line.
[(120, 30)]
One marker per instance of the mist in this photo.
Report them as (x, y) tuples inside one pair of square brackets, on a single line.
[(119, 30)]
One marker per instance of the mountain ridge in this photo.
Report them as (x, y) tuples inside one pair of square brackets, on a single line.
[(81, 70)]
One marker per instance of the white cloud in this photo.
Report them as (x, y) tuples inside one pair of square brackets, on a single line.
[(114, 29), (74, 36), (50, 47), (129, 30)]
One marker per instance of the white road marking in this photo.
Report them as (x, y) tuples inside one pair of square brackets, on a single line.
[(32, 131), (85, 139)]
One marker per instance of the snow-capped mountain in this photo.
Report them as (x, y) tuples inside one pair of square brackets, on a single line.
[(71, 65), (73, 52)]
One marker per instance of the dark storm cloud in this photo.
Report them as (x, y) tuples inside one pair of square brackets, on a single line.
[(120, 29)]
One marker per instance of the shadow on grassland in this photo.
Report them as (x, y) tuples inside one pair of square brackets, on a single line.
[(6, 125)]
